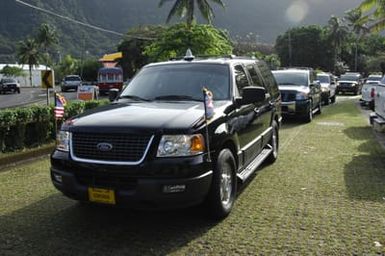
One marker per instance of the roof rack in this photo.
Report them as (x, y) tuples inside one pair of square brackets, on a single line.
[(230, 56)]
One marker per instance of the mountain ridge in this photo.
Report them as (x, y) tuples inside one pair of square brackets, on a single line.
[(265, 19)]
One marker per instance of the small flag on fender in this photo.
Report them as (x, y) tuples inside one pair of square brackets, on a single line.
[(60, 102), (208, 103)]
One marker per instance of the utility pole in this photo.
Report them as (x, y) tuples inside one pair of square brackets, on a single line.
[(289, 41)]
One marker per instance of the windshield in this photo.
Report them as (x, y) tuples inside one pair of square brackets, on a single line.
[(374, 78), (349, 78), (5, 80), (72, 78), (323, 78), (180, 82), (291, 78)]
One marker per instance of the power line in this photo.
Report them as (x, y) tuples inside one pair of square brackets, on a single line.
[(79, 22)]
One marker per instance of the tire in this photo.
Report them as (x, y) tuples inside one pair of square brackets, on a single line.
[(18, 90), (371, 105), (309, 115), (274, 143), (221, 197)]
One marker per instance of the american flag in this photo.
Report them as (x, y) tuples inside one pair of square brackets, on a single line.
[(208, 103), (60, 102)]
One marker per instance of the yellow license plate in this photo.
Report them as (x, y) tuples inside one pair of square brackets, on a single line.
[(100, 195)]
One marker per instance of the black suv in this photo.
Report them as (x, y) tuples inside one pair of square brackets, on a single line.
[(153, 146), (300, 92)]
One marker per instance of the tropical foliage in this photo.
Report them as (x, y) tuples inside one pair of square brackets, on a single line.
[(375, 14), (28, 53), (201, 39), (186, 8)]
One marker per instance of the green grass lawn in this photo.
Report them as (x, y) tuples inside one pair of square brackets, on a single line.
[(325, 195)]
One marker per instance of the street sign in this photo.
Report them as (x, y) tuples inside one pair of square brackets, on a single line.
[(47, 79)]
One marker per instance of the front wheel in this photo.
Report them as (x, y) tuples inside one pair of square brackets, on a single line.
[(223, 189), (274, 143), (333, 99), (309, 115)]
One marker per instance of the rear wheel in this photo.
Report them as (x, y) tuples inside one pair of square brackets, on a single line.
[(223, 189)]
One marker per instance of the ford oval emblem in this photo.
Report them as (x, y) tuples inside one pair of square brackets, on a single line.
[(104, 147)]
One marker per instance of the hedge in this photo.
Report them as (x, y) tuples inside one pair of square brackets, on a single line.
[(26, 127)]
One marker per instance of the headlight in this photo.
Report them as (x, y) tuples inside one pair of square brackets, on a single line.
[(324, 89), (181, 145), (63, 141), (301, 96)]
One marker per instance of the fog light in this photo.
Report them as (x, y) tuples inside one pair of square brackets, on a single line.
[(58, 177), (174, 188)]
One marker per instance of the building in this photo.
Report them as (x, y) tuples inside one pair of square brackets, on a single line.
[(24, 80)]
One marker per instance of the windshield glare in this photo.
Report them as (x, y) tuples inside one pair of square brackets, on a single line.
[(291, 78), (323, 78), (185, 80), (72, 78), (349, 78)]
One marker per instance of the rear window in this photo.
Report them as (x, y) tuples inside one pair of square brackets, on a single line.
[(291, 78)]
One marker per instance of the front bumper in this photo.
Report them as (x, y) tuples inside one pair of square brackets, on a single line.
[(343, 89), (300, 107), (141, 187)]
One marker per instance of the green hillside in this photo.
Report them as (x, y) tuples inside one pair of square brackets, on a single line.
[(266, 19)]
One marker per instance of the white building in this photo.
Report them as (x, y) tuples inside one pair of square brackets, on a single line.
[(24, 80)]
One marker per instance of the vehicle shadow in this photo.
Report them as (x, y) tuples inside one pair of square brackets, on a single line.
[(59, 226), (365, 174)]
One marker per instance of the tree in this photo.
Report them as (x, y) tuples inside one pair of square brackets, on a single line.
[(338, 32), (375, 10), (355, 22), (12, 71), (186, 8), (201, 39), (46, 38), (68, 66), (309, 47), (132, 46), (28, 53)]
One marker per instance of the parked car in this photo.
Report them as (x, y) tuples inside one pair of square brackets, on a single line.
[(350, 82), (373, 79), (71, 82), (368, 95), (152, 147), (377, 118), (300, 92), (9, 85), (328, 87)]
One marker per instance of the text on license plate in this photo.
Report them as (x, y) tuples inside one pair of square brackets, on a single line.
[(100, 195)]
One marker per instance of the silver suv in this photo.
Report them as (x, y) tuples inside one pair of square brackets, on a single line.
[(71, 82)]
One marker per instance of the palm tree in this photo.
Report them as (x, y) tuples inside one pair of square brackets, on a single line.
[(337, 33), (186, 8), (28, 53), (376, 10), (358, 27), (46, 38)]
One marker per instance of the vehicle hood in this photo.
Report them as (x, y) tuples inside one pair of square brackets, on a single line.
[(325, 85), (297, 88), (72, 82), (144, 116)]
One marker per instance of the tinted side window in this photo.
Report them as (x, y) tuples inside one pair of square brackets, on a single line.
[(257, 81), (271, 84), (240, 78)]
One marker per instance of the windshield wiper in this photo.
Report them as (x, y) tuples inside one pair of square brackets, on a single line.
[(133, 97), (176, 97)]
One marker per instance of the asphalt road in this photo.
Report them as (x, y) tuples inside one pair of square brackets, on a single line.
[(29, 96)]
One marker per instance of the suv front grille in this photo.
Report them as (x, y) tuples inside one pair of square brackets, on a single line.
[(121, 147), (288, 96)]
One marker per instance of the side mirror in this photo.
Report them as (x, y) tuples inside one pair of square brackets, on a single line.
[(113, 94), (253, 94)]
